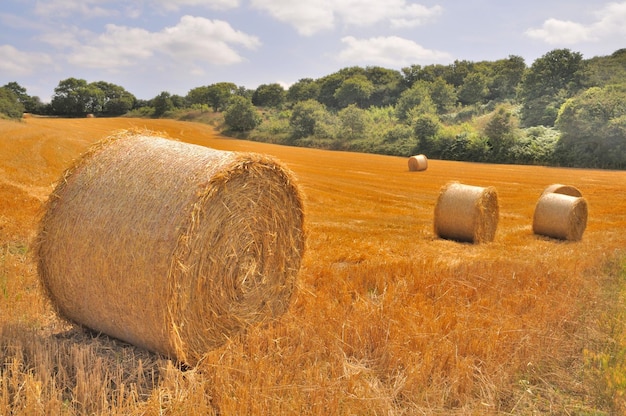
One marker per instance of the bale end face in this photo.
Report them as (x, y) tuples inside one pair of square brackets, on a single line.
[(418, 163)]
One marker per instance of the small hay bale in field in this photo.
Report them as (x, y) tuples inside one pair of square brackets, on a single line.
[(560, 216), (467, 213), (557, 188), (170, 246), (418, 163)]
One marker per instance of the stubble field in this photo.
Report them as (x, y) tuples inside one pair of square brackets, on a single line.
[(387, 319)]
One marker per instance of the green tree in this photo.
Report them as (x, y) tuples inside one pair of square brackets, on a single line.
[(426, 128), (241, 115), (328, 86), (31, 104), (607, 70), (473, 90), (354, 90), (198, 95), (507, 76), (116, 100), (72, 97), (354, 121), (219, 95), (551, 79), (304, 117), (593, 129), (10, 105), (500, 130), (414, 101), (443, 95), (388, 85), (269, 95), (162, 103), (304, 89)]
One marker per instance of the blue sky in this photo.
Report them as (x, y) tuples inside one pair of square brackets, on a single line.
[(150, 46)]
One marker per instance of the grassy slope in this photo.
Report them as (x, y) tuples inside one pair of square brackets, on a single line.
[(388, 319)]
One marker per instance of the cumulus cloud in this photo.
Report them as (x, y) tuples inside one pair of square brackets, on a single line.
[(307, 17), (107, 8), (311, 17), (64, 8), (194, 40), (16, 62), (391, 51), (211, 4), (609, 23)]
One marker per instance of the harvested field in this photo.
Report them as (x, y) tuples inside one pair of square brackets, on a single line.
[(386, 318)]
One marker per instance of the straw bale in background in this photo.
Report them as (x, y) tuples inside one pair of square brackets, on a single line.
[(418, 163), (467, 213), (558, 188), (170, 246), (560, 216)]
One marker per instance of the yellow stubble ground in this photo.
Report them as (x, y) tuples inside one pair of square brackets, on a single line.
[(387, 319)]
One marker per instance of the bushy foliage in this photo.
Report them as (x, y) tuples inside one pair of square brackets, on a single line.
[(551, 80), (464, 111), (241, 115), (10, 106), (593, 128), (269, 95)]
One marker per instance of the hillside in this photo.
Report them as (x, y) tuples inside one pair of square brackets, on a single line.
[(387, 318)]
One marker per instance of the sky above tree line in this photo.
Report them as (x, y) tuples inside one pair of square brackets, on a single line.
[(150, 46)]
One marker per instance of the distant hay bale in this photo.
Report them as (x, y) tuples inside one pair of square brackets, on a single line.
[(170, 246), (560, 216), (557, 188), (467, 213), (418, 163)]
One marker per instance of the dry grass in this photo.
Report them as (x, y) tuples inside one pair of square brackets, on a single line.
[(387, 318)]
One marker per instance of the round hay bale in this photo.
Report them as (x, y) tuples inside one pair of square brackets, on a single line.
[(170, 246), (557, 188), (467, 213), (560, 216), (418, 163)]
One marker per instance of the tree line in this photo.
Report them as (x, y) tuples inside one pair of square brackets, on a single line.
[(561, 110)]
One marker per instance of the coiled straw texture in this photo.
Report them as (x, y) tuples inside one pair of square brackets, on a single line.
[(467, 213), (170, 246)]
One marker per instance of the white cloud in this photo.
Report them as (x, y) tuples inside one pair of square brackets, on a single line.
[(200, 39), (609, 23), (64, 8), (211, 4), (193, 40), (311, 17), (306, 16), (16, 62), (559, 32), (391, 51)]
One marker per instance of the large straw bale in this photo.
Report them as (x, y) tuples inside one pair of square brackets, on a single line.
[(418, 163), (170, 246), (558, 188), (560, 216), (467, 213)]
